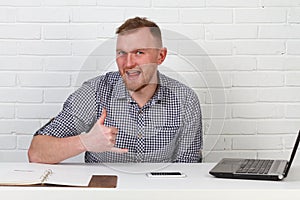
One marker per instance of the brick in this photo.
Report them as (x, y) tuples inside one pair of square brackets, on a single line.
[(7, 79), (277, 155), (45, 48), (293, 111), (261, 15), (106, 30), (217, 32), (21, 95), (287, 94), (184, 31), (7, 111), (258, 111), (219, 111), (211, 48), (260, 47), (278, 126), (279, 63), (7, 14), (280, 31), (73, 32), (292, 63), (37, 111), (57, 95), (257, 143), (206, 16), (8, 48), (244, 95), (294, 15), (271, 63), (213, 142), (293, 47), (55, 32), (232, 3), (20, 32), (14, 126), (215, 156), (8, 142), (44, 14), (257, 79), (201, 95), (205, 80), (18, 63), (78, 79), (20, 3), (177, 64), (233, 63), (8, 95), (44, 79), (23, 142), (128, 3), (13, 156), (92, 48), (159, 15), (179, 3), (98, 15), (70, 3), (292, 79), (240, 127), (70, 63), (280, 3)]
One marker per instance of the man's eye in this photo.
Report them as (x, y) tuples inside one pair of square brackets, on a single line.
[(139, 52), (121, 53)]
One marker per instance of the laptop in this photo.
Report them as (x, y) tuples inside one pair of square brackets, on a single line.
[(257, 169)]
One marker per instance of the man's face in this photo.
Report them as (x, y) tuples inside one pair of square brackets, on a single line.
[(138, 56)]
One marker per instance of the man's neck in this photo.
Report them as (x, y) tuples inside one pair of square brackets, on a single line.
[(143, 95)]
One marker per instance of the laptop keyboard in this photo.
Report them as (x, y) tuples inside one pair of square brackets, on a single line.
[(254, 166)]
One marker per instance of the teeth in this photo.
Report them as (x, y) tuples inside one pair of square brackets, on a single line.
[(132, 72)]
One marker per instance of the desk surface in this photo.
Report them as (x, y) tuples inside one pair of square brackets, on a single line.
[(134, 184)]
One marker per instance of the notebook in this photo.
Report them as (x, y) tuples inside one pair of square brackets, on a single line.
[(257, 169)]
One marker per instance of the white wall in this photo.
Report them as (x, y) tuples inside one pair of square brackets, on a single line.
[(241, 57)]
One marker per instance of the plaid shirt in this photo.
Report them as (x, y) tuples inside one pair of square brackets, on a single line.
[(167, 129)]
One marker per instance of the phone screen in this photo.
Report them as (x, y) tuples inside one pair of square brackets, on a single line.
[(166, 174)]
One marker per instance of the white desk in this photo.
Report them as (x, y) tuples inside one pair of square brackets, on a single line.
[(134, 184)]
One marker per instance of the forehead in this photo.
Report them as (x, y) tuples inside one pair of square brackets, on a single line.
[(138, 39)]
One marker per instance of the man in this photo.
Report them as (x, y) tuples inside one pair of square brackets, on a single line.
[(134, 115)]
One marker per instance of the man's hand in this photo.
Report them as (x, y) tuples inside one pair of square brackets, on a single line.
[(101, 138)]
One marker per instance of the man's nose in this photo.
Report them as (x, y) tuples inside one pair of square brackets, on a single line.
[(130, 61)]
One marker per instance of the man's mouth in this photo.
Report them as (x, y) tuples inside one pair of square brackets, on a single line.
[(132, 74)]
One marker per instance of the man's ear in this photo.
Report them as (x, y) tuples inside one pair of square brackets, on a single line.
[(162, 55)]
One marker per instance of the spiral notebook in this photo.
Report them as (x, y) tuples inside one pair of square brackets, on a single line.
[(53, 175)]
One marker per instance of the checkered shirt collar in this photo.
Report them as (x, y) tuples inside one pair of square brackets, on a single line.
[(120, 91)]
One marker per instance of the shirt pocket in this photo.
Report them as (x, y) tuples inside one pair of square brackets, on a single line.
[(162, 137)]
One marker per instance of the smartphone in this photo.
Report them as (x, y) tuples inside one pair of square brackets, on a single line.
[(166, 175)]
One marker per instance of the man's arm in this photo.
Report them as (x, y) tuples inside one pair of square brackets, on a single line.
[(49, 149)]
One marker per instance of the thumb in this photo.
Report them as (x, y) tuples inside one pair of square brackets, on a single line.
[(103, 116)]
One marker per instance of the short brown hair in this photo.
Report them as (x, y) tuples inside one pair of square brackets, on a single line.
[(133, 24)]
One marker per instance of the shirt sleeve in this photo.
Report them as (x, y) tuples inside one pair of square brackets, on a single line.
[(77, 115), (189, 144)]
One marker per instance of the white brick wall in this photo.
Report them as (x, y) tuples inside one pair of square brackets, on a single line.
[(241, 57)]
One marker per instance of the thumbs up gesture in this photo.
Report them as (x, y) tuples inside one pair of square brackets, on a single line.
[(101, 138)]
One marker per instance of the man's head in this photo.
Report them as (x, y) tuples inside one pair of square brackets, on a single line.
[(136, 23), (139, 52)]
